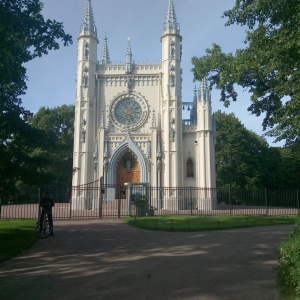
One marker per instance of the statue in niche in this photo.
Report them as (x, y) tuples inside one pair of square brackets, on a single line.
[(180, 51), (128, 165), (130, 81), (172, 135), (172, 51), (106, 166), (172, 80), (172, 48), (158, 165), (85, 80), (95, 165), (82, 136), (86, 50), (149, 165)]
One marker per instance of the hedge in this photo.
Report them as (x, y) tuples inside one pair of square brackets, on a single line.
[(288, 269)]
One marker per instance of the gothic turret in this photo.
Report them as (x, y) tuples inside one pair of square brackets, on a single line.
[(172, 116), (205, 137), (85, 114)]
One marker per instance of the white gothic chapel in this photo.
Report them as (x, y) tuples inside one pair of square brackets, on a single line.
[(128, 117)]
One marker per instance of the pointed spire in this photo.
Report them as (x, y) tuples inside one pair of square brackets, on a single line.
[(128, 66), (171, 20), (88, 23), (105, 59), (195, 93), (204, 92), (193, 114)]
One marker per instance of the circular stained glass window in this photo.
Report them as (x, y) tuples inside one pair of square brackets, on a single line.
[(128, 112)]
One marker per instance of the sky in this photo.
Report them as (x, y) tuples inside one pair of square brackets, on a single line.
[(51, 78)]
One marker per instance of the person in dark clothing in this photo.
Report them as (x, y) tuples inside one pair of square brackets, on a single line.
[(46, 205)]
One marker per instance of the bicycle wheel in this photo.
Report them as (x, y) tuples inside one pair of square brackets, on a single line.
[(44, 230)]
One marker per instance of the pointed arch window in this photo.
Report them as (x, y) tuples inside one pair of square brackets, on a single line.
[(190, 168)]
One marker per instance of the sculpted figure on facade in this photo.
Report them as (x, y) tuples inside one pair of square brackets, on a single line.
[(172, 135), (82, 136), (86, 50)]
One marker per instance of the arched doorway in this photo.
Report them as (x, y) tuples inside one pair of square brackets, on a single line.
[(128, 169)]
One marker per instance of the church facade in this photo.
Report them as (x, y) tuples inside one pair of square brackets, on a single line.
[(128, 117)]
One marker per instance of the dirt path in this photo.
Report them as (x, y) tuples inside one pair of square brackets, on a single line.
[(106, 259)]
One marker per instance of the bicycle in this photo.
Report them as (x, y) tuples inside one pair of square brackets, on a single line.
[(43, 227)]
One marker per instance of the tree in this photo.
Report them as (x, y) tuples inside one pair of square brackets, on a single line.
[(268, 67), (57, 125), (240, 154), (245, 160), (24, 35)]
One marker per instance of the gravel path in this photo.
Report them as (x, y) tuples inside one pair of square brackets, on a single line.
[(107, 259)]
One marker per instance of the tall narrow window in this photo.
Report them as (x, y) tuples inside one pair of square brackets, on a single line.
[(189, 168)]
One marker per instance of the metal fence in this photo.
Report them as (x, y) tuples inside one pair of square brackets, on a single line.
[(95, 200)]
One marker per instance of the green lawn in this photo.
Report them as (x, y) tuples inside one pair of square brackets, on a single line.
[(201, 223), (15, 237)]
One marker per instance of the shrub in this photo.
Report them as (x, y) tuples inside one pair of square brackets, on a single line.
[(288, 269)]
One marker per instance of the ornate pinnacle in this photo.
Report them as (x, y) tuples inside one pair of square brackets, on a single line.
[(105, 59), (171, 20), (88, 19)]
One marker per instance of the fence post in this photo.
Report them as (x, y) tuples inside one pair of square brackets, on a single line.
[(100, 197), (266, 198), (39, 205), (229, 195), (119, 203), (70, 202), (191, 202), (297, 203)]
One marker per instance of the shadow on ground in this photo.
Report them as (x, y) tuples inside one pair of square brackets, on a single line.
[(107, 259)]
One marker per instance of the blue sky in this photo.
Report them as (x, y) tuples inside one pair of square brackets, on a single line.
[(51, 79)]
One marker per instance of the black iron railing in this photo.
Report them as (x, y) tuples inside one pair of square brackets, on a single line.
[(95, 200)]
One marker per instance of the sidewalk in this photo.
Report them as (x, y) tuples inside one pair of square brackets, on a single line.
[(107, 259)]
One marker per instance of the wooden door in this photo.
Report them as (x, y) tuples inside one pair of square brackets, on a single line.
[(128, 170)]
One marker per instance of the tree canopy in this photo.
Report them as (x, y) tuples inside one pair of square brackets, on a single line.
[(240, 154), (24, 35), (57, 125), (268, 67), (245, 160)]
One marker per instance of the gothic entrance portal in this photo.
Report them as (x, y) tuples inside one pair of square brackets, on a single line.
[(128, 169)]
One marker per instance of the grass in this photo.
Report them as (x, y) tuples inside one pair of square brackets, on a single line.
[(15, 237), (201, 223)]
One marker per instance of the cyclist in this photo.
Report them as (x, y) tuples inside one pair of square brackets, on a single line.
[(47, 204)]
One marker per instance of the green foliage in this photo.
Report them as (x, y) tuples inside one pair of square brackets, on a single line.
[(288, 269), (138, 198), (25, 34), (15, 237), (201, 223), (53, 155), (268, 67), (245, 161), (240, 154), (58, 127), (23, 193)]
